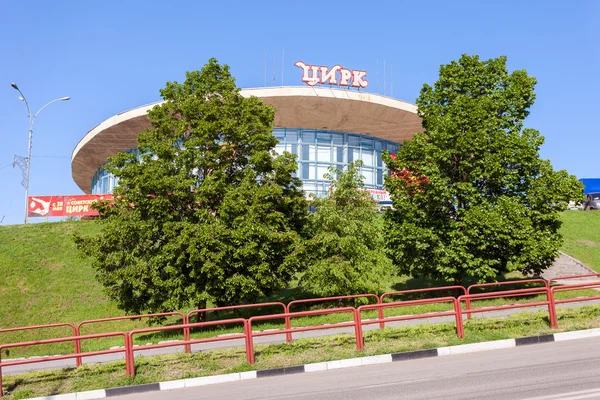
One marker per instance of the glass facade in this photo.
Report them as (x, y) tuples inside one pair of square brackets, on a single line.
[(103, 182), (316, 150)]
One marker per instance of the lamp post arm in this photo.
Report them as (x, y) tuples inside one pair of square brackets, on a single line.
[(46, 105), (25, 100)]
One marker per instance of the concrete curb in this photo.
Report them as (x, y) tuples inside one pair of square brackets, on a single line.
[(326, 366)]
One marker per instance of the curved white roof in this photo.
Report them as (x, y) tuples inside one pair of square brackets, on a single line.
[(296, 107)]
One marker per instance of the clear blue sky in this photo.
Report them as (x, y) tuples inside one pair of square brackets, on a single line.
[(111, 56)]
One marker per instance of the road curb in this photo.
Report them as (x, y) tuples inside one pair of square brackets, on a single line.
[(328, 365)]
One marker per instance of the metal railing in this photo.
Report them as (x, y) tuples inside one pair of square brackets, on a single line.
[(357, 323), (235, 308), (187, 342), (101, 320), (75, 354), (251, 335), (456, 312), (414, 291), (326, 299), (511, 293), (505, 283)]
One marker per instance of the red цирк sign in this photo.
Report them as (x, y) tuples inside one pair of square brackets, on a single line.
[(63, 206), (316, 74)]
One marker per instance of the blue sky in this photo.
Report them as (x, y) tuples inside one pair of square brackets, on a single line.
[(112, 56)]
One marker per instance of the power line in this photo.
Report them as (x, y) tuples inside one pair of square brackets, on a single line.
[(6, 166), (50, 157)]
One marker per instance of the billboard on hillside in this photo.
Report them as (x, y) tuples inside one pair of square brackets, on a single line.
[(64, 206)]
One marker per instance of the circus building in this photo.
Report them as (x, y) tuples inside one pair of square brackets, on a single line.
[(330, 121)]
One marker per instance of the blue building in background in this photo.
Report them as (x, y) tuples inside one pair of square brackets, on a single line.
[(592, 185)]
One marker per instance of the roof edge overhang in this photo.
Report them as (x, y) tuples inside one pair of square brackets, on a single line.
[(296, 107)]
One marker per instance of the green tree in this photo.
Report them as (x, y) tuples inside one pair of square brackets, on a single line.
[(344, 254), (207, 211), (472, 196)]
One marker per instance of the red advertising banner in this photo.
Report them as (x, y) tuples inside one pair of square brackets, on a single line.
[(64, 206)]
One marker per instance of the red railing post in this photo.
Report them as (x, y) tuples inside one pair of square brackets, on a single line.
[(460, 328), (187, 334), (131, 355), (78, 346), (358, 330), (380, 314), (551, 308), (288, 325), (127, 347), (250, 344), (0, 373), (129, 368), (248, 340)]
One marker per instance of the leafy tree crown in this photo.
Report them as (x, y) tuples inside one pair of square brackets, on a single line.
[(344, 254), (206, 211), (472, 196)]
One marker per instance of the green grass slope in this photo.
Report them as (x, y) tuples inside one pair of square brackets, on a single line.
[(581, 232), (42, 279)]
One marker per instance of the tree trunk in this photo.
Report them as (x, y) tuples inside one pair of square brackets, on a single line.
[(458, 282), (201, 316)]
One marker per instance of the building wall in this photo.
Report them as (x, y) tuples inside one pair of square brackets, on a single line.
[(316, 150)]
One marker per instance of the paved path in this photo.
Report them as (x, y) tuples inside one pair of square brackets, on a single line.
[(566, 265), (560, 370), (280, 338)]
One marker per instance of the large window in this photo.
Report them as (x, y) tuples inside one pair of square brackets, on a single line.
[(316, 150)]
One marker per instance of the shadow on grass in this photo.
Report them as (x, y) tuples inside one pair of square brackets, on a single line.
[(54, 382), (52, 379)]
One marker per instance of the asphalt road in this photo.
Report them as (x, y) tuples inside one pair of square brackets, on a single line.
[(559, 370)]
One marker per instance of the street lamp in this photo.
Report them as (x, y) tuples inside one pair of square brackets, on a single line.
[(31, 122)]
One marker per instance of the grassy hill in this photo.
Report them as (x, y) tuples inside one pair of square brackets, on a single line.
[(43, 280), (581, 231)]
